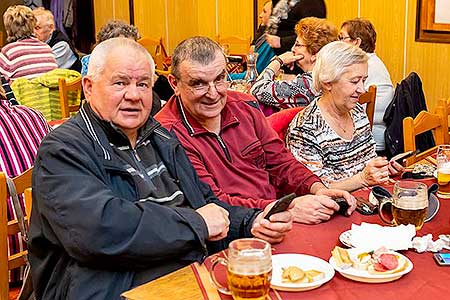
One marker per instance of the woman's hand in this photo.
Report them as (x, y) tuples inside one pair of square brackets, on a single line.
[(289, 58), (273, 40), (375, 172)]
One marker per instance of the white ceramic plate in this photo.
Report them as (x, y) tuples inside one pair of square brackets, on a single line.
[(303, 261), (365, 276), (435, 174)]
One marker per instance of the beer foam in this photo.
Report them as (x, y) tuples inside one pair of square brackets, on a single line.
[(408, 202)]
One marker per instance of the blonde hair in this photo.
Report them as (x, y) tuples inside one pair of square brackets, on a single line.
[(333, 60), (19, 22), (316, 33)]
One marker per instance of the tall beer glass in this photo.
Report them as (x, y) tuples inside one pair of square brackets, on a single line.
[(249, 269), (443, 171)]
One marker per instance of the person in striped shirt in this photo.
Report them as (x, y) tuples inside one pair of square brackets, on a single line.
[(24, 55), (21, 131)]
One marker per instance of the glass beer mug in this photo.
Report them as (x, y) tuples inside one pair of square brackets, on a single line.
[(443, 170), (249, 269), (408, 205)]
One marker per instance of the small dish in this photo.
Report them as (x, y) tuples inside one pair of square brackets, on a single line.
[(365, 276), (346, 238), (303, 261)]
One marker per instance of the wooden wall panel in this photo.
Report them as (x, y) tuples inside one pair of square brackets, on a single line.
[(340, 10), (430, 61), (105, 11), (236, 18), (150, 18), (206, 10), (388, 17), (183, 20)]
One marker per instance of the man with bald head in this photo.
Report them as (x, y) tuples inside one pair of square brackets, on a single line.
[(116, 201)]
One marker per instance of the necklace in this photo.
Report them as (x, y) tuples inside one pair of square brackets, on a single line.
[(337, 123)]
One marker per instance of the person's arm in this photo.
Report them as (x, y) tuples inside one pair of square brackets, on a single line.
[(62, 53), (286, 173), (99, 228), (283, 93)]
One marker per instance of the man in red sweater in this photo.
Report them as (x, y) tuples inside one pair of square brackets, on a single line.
[(230, 143)]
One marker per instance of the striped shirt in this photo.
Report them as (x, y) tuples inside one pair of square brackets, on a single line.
[(21, 131), (284, 93), (26, 58), (329, 156)]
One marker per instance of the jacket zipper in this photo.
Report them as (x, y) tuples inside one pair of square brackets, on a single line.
[(224, 147)]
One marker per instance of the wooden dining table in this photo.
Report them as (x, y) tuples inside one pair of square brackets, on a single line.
[(427, 280)]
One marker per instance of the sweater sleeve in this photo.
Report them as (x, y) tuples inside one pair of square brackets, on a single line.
[(283, 93)]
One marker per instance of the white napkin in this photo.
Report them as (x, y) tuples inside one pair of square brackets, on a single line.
[(373, 236)]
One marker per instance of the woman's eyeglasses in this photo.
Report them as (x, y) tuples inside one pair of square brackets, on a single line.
[(343, 38)]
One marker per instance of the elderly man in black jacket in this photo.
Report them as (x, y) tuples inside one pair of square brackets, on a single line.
[(116, 201)]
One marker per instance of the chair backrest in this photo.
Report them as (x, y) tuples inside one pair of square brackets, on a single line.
[(157, 50), (280, 120), (234, 44), (424, 122), (369, 98), (22, 182), (64, 88)]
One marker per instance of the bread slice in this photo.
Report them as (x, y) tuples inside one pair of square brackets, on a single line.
[(341, 257)]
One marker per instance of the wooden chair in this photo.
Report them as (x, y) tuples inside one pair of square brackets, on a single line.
[(64, 88), (236, 45), (156, 49), (424, 122), (22, 182), (369, 98)]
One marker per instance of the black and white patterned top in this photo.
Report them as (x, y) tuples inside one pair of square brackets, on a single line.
[(283, 93), (313, 142)]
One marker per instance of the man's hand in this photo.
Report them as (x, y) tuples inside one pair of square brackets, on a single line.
[(272, 231), (216, 219), (273, 41), (311, 209), (335, 193)]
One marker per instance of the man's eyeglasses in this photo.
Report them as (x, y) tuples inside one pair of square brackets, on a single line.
[(343, 38), (202, 88)]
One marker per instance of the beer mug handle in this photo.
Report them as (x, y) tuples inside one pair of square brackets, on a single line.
[(214, 280), (385, 211)]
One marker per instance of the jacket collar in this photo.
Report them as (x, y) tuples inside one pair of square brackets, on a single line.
[(113, 134), (193, 127)]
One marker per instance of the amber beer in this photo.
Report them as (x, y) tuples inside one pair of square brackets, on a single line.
[(249, 286), (443, 175), (249, 269), (409, 216)]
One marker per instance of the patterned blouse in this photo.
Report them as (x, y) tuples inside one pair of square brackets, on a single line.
[(284, 93), (329, 156)]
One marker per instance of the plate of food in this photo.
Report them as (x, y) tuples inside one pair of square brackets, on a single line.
[(299, 272), (377, 266)]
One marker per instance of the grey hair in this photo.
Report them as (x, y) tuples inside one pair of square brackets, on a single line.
[(100, 54), (332, 61), (49, 18), (198, 49), (117, 28)]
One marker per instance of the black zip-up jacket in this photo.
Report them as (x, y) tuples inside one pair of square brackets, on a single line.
[(90, 236)]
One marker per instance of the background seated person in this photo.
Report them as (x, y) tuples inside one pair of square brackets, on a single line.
[(231, 144), (361, 33), (116, 202), (24, 55), (65, 54), (332, 134), (265, 52), (312, 34)]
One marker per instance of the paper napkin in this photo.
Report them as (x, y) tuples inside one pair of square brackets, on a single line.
[(373, 236)]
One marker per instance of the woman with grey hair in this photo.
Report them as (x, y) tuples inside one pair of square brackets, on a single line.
[(24, 55), (332, 135)]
